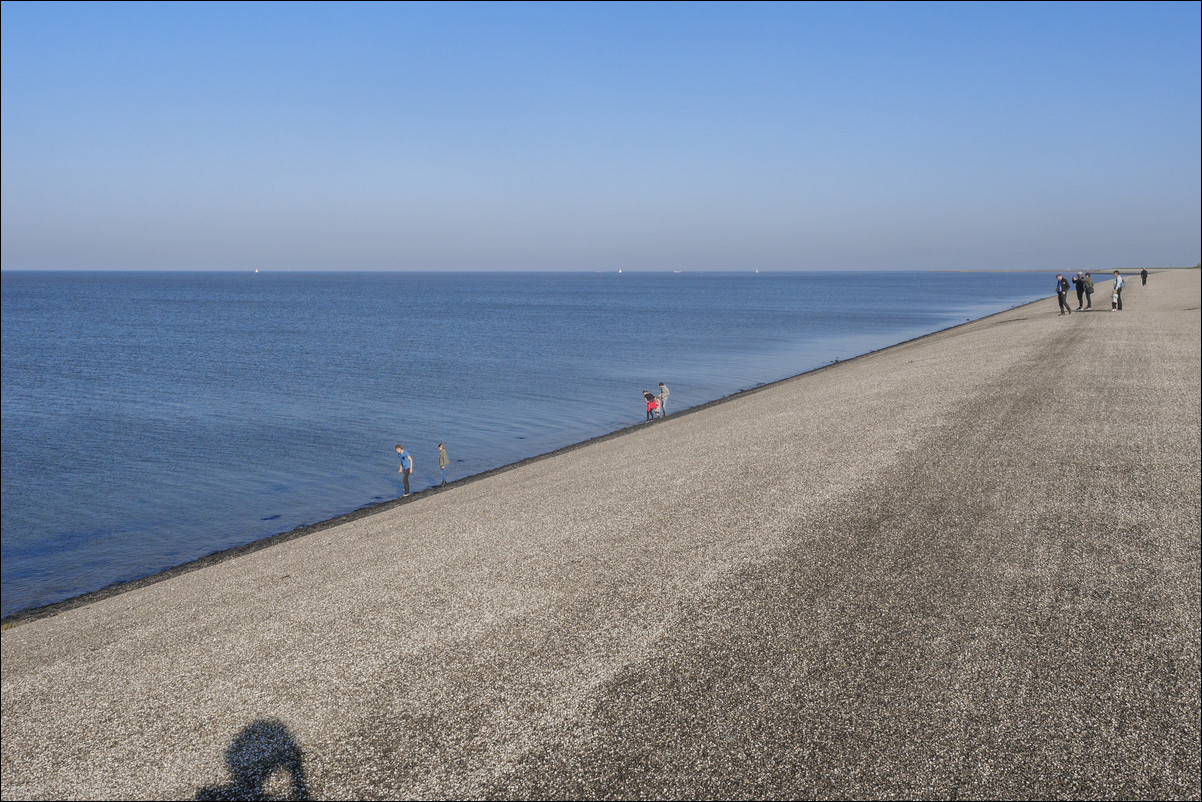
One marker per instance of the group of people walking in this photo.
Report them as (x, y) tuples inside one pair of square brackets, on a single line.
[(657, 404), (1083, 282), (406, 469)]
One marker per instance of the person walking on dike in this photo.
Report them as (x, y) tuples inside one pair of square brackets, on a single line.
[(1079, 283), (1088, 291), (1143, 277), (1116, 297), (1062, 294), (443, 462), (663, 400), (406, 466)]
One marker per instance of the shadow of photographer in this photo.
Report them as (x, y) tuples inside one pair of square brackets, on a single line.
[(264, 749)]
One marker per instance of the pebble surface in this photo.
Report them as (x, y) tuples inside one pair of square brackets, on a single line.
[(963, 567)]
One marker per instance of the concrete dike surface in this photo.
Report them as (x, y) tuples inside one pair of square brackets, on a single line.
[(964, 566)]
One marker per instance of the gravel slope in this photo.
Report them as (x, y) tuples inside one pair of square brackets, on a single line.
[(965, 566)]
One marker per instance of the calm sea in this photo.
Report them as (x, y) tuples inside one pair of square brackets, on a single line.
[(153, 418)]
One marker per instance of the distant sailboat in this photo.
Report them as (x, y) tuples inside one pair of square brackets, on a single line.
[(619, 270)]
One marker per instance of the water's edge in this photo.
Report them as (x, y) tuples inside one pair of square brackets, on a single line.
[(117, 588)]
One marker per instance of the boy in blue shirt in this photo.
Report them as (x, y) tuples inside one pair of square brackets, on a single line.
[(406, 466)]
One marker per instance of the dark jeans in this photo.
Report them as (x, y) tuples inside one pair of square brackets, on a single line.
[(1080, 297), (1120, 292), (1062, 297), (405, 478), (1088, 299)]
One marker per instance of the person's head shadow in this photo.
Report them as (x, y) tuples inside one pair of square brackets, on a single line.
[(262, 749)]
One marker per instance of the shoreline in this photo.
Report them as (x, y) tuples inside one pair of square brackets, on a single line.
[(214, 558), (965, 566)]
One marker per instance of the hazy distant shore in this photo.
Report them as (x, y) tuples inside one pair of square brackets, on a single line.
[(962, 566)]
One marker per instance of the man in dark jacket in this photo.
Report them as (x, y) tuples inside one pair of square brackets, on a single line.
[(1062, 294)]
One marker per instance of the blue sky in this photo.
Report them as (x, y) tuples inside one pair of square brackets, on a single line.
[(646, 136)]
